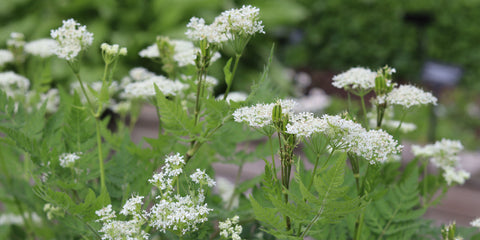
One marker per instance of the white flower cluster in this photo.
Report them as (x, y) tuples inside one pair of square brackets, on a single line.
[(184, 52), (239, 22), (133, 206), (230, 228), (173, 168), (444, 154), (315, 101), (13, 84), (44, 47), (5, 57), (357, 79), (115, 229), (178, 214), (305, 124), (113, 50), (173, 212), (374, 145), (68, 159), (409, 96), (71, 38), (228, 26), (198, 31), (16, 40), (200, 177), (15, 219), (234, 97), (260, 115), (50, 98), (475, 223), (145, 88)]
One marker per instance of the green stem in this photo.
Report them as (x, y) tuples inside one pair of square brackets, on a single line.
[(349, 102), (77, 75), (364, 112), (425, 184), (157, 109), (273, 156), (237, 180), (198, 97), (315, 168), (237, 59), (100, 155), (401, 121)]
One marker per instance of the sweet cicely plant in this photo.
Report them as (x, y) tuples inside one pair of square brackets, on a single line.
[(67, 175)]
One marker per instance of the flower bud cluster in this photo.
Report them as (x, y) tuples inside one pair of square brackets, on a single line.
[(111, 52), (230, 228)]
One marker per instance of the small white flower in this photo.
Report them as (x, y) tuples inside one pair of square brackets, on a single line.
[(360, 80), (260, 115), (305, 124), (442, 153), (200, 177), (239, 22), (198, 31), (409, 96), (145, 89), (230, 228), (452, 175), (105, 213), (315, 101), (375, 146), (132, 206), (16, 40), (71, 38), (475, 223), (5, 57), (42, 47), (234, 97), (13, 84), (68, 159)]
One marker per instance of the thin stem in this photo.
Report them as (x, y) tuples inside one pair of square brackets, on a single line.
[(349, 106), (237, 180), (273, 155), (100, 155), (77, 75), (401, 121), (157, 110), (198, 97), (364, 112), (315, 168), (237, 58), (425, 187)]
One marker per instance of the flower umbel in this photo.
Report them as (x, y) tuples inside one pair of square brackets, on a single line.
[(72, 38)]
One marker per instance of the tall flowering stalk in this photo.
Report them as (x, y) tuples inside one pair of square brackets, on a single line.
[(72, 39)]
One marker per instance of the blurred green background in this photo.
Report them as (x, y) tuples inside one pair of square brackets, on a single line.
[(312, 35)]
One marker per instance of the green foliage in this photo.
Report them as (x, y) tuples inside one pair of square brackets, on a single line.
[(336, 36), (397, 214), (327, 204)]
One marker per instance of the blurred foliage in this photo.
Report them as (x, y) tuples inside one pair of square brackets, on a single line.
[(339, 34), (135, 25)]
